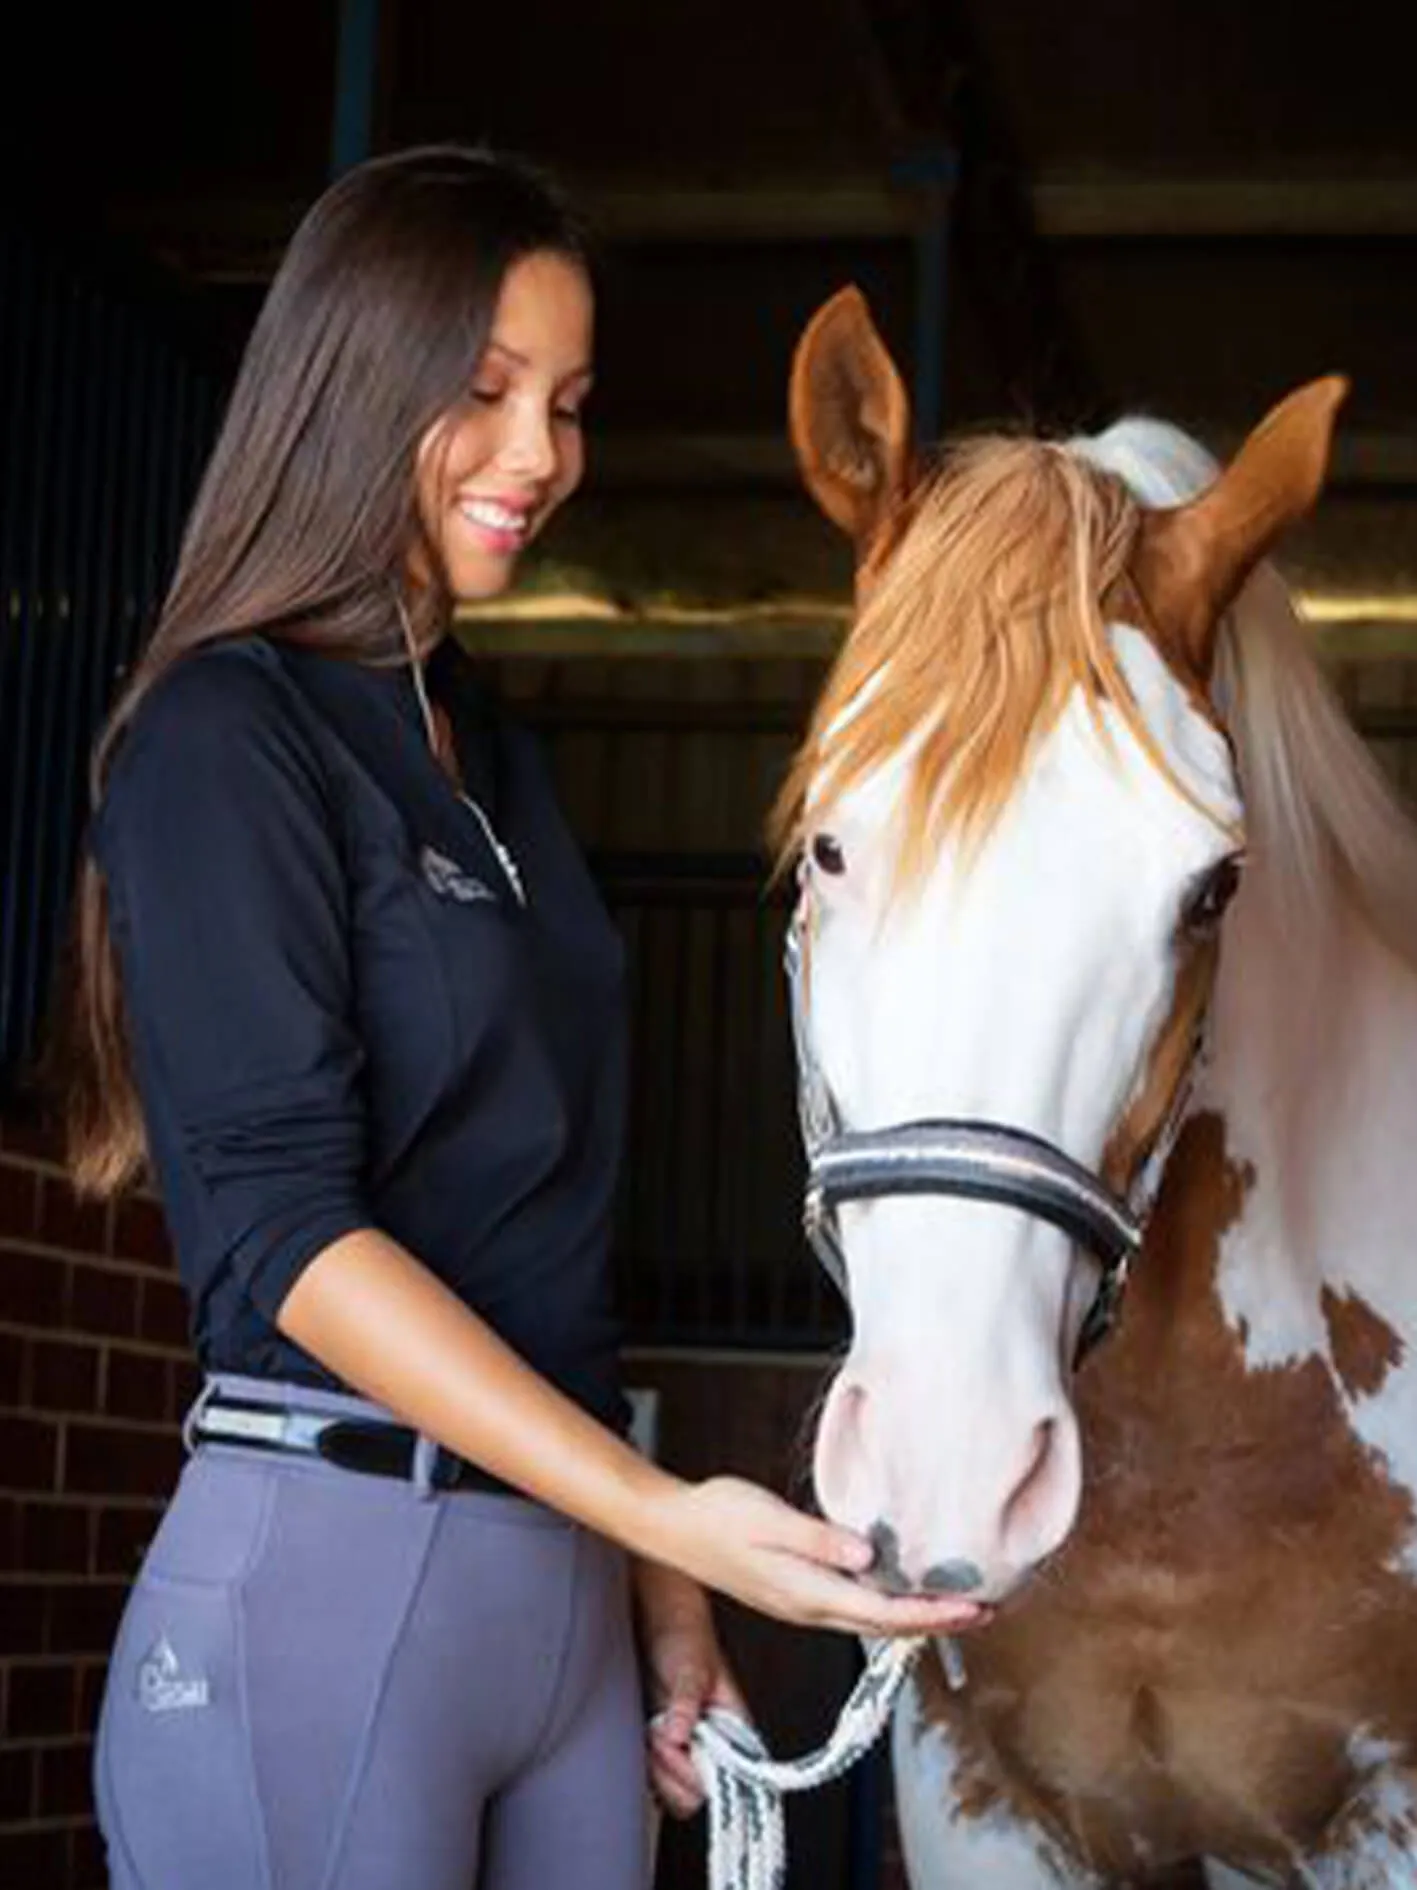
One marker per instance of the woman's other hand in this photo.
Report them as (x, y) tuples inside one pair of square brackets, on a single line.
[(685, 1674)]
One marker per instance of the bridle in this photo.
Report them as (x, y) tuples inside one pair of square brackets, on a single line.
[(970, 1160)]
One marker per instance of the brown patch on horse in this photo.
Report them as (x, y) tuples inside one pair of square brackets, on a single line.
[(1232, 1606), (1365, 1348), (1149, 1727)]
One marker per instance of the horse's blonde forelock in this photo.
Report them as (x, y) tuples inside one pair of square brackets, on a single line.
[(986, 618)]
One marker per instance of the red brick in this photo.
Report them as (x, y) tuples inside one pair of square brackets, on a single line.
[(66, 1221), (17, 1783), (88, 1868), (14, 1385), (140, 1233), (104, 1300), (164, 1316), (136, 1386), (123, 1538), (54, 1539), (63, 1376), (29, 1453), (83, 1618), (22, 1612), (65, 1781), (35, 1860), (11, 1534), (39, 1703), (32, 1287), (186, 1383), (112, 1462), (19, 1201)]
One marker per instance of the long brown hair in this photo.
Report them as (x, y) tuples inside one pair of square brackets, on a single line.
[(307, 513)]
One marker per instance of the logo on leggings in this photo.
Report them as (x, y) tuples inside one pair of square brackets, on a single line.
[(164, 1688)]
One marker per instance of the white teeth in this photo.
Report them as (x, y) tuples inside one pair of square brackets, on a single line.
[(495, 517)]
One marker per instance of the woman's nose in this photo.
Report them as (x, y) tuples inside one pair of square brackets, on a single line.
[(529, 450)]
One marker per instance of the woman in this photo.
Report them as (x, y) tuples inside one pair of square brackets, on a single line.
[(345, 985)]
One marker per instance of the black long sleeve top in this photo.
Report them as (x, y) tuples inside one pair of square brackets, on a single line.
[(340, 1015)]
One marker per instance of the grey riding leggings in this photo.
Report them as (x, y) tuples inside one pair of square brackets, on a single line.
[(334, 1681)]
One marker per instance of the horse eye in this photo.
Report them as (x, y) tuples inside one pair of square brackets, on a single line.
[(1206, 906), (827, 854)]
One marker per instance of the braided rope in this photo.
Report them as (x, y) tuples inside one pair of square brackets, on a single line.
[(746, 1786)]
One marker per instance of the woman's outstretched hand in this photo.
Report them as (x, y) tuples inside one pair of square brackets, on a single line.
[(745, 1542), (381, 1322)]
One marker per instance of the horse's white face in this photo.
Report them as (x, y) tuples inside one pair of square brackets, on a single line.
[(1033, 987)]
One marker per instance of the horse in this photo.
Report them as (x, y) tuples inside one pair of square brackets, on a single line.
[(1106, 962)]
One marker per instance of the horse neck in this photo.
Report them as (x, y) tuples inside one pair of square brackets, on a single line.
[(1313, 1071)]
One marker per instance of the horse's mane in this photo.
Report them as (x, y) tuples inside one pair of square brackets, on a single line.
[(990, 604), (1322, 822)]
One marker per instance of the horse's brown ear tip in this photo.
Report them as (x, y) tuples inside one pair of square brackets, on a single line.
[(1329, 393), (848, 304), (1335, 388)]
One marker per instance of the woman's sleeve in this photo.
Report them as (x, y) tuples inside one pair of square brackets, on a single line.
[(231, 920)]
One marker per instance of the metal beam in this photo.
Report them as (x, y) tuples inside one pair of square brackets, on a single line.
[(1382, 636), (241, 241), (1162, 208), (356, 66), (945, 98), (1368, 461), (1059, 208)]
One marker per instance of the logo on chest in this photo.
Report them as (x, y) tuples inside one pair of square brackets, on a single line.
[(451, 881)]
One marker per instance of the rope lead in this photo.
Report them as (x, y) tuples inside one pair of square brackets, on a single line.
[(746, 1786)]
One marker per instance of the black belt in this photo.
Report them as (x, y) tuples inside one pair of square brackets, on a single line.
[(374, 1447)]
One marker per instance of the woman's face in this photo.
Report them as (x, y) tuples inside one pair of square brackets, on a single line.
[(491, 472)]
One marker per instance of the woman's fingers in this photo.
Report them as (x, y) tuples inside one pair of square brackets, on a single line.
[(857, 1608), (745, 1541), (675, 1777)]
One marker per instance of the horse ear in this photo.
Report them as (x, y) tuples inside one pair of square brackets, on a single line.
[(1191, 561), (849, 417)]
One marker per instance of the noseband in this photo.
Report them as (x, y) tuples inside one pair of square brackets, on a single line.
[(972, 1161)]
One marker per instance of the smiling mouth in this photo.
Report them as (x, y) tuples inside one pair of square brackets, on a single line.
[(504, 526)]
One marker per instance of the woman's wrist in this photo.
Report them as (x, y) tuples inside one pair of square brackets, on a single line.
[(666, 1597), (648, 1528)]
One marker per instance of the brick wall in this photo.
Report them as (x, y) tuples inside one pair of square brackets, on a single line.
[(94, 1371)]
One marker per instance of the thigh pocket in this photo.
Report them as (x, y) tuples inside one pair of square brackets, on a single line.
[(174, 1770), (174, 1755)]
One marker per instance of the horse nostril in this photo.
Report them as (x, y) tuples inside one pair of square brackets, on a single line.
[(952, 1578), (944, 1578), (886, 1571)]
